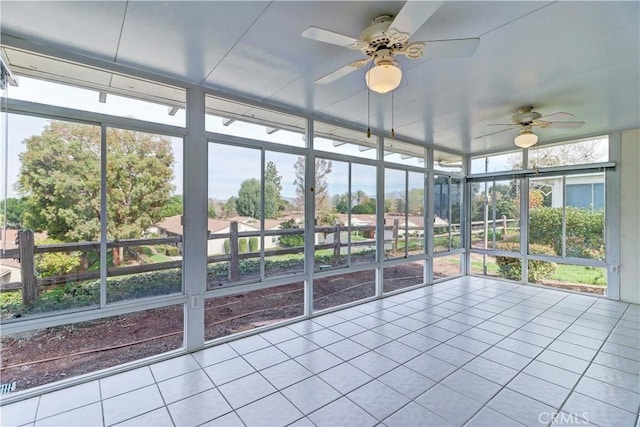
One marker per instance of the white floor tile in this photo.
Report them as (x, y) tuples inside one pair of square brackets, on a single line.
[(67, 399), (273, 410), (199, 409), (132, 404)]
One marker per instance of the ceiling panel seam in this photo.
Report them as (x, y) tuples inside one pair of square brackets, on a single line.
[(516, 19), (202, 83), (124, 17)]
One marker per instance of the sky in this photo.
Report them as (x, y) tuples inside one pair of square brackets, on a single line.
[(228, 165)]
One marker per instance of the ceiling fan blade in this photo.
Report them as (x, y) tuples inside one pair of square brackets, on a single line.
[(493, 133), (326, 36), (454, 48), (564, 125), (341, 72), (558, 116), (413, 14)]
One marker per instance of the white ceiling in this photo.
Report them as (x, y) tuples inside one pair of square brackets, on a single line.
[(577, 57)]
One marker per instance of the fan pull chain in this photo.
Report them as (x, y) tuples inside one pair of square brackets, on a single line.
[(393, 132), (368, 112)]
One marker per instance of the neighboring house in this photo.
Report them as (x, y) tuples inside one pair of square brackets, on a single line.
[(10, 267), (582, 191), (172, 226)]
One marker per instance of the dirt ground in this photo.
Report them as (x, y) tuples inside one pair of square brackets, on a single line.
[(53, 354)]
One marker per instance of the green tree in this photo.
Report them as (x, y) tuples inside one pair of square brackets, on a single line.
[(416, 201), (15, 208), (248, 201), (211, 209), (173, 206), (60, 176), (229, 208), (341, 203), (274, 205)]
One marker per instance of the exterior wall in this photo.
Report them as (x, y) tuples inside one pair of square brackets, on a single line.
[(630, 217)]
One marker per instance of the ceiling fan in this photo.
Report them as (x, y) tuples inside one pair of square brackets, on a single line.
[(525, 119), (388, 37)]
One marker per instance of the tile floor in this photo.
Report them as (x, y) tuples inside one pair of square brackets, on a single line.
[(470, 351)]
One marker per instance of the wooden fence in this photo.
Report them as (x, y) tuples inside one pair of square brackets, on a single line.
[(31, 284)]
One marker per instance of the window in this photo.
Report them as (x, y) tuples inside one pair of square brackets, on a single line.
[(447, 203)]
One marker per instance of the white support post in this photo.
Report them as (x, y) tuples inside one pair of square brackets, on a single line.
[(379, 285), (309, 220), (429, 217), (194, 245), (613, 218)]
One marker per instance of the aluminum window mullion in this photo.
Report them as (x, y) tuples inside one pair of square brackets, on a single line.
[(349, 198), (262, 213), (103, 216), (406, 213), (564, 216)]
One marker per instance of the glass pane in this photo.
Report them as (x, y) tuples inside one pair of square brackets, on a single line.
[(284, 210), (415, 219), (144, 192), (573, 153), (506, 205), (442, 214), (247, 121), (125, 97), (403, 276), (578, 278), (481, 216), (63, 352), (339, 140), (446, 266), (545, 216), (497, 163), (342, 289), (395, 202), (585, 216), (484, 265), (331, 189), (235, 313), (53, 190), (456, 213), (234, 198), (363, 214), (404, 153)]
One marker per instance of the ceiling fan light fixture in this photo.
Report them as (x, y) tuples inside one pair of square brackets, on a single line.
[(384, 77), (526, 139)]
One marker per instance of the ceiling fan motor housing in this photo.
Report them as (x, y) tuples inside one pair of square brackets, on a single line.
[(376, 33), (526, 116)]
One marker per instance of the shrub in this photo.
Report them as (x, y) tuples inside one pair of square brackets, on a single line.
[(171, 251), (584, 231), (55, 263), (510, 267), (243, 246), (253, 244), (227, 246), (291, 240)]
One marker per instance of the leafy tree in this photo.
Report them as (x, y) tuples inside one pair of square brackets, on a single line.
[(211, 209), (229, 208), (173, 206), (341, 203), (274, 204), (321, 190), (248, 201), (15, 208), (416, 201), (60, 176), (360, 197)]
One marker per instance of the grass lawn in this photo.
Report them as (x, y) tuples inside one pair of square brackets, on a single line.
[(580, 274)]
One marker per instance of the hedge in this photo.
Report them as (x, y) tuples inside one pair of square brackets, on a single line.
[(584, 231), (253, 244), (511, 268), (243, 246)]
